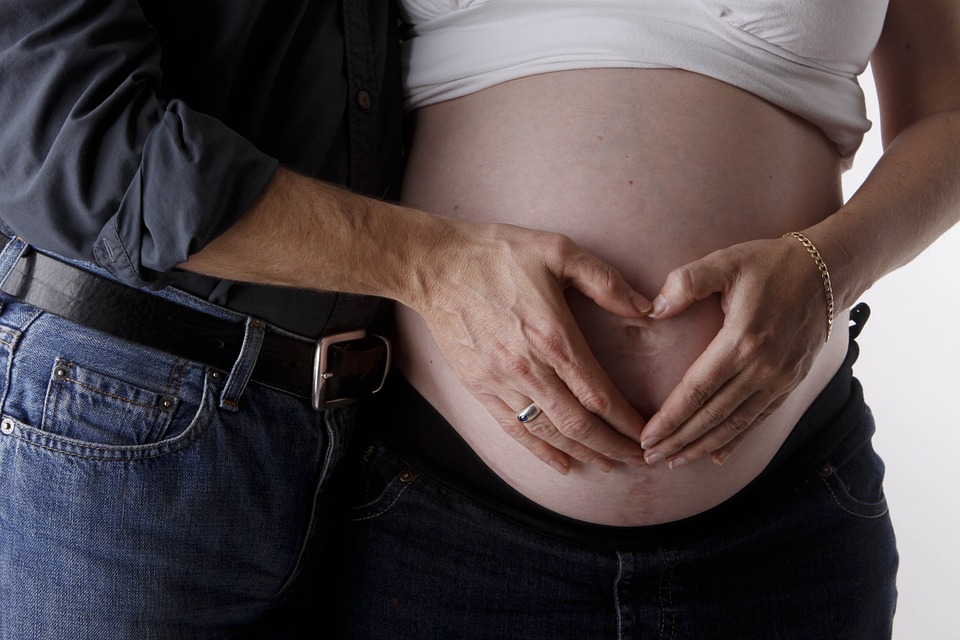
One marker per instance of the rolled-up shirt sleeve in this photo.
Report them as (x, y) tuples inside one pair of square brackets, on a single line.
[(96, 162)]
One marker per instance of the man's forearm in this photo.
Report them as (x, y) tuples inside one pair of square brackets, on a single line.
[(304, 233)]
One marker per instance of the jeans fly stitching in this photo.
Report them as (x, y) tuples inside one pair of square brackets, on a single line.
[(616, 595), (332, 443), (671, 564)]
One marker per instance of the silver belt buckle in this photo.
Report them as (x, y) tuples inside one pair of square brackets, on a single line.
[(321, 372)]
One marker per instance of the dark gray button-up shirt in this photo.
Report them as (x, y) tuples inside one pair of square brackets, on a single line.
[(132, 133)]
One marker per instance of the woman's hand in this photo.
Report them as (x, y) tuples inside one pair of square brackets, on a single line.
[(492, 296), (772, 297)]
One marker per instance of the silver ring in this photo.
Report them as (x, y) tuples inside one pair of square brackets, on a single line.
[(529, 413)]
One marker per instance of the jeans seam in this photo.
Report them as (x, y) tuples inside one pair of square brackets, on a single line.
[(671, 564), (100, 392), (102, 458), (171, 393), (396, 498), (176, 375), (57, 393), (853, 513), (7, 332), (88, 451), (616, 595), (307, 535), (331, 457)]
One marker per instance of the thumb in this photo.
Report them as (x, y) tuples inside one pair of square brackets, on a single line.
[(689, 283), (604, 285)]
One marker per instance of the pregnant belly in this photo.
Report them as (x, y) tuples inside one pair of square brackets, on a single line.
[(649, 170)]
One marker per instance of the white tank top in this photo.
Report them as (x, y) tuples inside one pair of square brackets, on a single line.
[(801, 55)]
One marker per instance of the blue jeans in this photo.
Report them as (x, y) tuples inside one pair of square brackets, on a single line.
[(148, 497), (421, 561)]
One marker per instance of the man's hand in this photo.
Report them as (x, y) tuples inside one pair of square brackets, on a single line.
[(492, 295)]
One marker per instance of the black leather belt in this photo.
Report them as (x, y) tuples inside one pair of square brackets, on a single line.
[(333, 370)]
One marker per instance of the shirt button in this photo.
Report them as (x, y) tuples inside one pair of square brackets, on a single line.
[(363, 100)]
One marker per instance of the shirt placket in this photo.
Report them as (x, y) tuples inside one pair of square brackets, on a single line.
[(362, 83)]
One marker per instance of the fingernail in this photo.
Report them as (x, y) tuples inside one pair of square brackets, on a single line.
[(635, 460), (659, 306), (649, 442), (653, 458), (559, 466), (603, 464), (642, 304), (676, 463), (720, 457)]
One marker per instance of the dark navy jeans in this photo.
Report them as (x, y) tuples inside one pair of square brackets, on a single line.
[(147, 497), (423, 562)]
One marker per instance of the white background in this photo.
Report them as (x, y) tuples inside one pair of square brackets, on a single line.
[(910, 369)]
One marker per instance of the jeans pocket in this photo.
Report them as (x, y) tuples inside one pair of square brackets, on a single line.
[(76, 391), (380, 479), (856, 485), (90, 406), (83, 412)]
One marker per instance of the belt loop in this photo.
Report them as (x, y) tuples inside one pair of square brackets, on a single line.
[(10, 255), (858, 317), (236, 382)]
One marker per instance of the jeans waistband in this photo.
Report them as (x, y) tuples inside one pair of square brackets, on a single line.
[(333, 370), (421, 435)]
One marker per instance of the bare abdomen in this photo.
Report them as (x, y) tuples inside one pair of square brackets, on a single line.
[(649, 170)]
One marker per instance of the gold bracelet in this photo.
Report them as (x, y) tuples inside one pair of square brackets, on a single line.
[(822, 266)]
